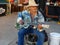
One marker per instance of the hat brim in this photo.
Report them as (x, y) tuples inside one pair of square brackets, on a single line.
[(33, 5)]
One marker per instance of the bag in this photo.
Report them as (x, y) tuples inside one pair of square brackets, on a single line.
[(46, 36)]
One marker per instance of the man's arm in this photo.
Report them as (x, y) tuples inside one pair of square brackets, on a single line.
[(19, 19), (41, 18), (23, 19), (41, 22)]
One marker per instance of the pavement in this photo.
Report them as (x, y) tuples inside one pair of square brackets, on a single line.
[(8, 33)]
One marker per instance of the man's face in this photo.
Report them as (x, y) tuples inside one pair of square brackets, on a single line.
[(33, 9)]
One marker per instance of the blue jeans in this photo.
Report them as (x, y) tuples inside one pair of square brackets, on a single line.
[(23, 31)]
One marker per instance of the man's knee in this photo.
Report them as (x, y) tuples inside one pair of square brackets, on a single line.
[(21, 31), (42, 36)]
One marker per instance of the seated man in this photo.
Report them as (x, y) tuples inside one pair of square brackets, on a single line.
[(28, 18)]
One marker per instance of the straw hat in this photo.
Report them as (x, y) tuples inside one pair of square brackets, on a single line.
[(32, 3)]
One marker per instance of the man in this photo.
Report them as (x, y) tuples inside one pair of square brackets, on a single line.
[(28, 18)]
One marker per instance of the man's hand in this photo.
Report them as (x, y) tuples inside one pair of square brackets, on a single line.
[(40, 26), (21, 22), (43, 26)]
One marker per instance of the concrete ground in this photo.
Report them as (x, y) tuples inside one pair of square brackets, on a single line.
[(8, 33)]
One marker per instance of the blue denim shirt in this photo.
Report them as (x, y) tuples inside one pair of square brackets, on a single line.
[(25, 16)]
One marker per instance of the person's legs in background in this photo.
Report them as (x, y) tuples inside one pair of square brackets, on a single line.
[(59, 19), (58, 13)]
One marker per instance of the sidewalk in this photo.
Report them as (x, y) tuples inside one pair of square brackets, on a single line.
[(7, 30)]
